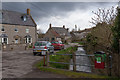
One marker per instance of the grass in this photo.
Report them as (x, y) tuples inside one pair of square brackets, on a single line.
[(30, 46), (62, 58), (71, 74), (80, 42)]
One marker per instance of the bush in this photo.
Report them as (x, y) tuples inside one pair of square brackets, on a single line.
[(30, 46), (116, 33)]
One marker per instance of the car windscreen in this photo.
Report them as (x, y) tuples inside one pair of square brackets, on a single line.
[(40, 43), (60, 42)]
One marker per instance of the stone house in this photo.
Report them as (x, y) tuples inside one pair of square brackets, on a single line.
[(79, 35), (57, 34), (17, 28)]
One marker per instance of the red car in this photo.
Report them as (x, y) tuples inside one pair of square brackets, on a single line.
[(57, 45)]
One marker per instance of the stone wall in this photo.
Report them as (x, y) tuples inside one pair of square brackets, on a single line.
[(10, 47), (10, 31)]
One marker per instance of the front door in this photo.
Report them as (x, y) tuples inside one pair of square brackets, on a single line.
[(16, 41)]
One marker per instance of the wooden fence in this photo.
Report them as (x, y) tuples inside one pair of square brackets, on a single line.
[(108, 65)]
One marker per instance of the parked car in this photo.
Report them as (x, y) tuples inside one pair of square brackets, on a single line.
[(42, 48), (57, 45)]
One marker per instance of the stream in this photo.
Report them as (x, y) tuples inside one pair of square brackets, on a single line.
[(82, 60)]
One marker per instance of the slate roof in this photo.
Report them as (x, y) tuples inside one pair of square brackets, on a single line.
[(12, 17), (61, 31)]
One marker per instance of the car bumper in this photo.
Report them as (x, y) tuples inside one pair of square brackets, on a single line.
[(57, 47), (41, 52)]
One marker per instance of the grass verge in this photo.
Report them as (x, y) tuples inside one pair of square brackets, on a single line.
[(62, 58), (70, 74)]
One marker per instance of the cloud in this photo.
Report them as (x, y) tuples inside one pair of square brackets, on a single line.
[(59, 13)]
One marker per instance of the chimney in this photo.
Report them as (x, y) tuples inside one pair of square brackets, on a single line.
[(67, 29), (75, 27), (50, 25), (28, 11), (63, 26)]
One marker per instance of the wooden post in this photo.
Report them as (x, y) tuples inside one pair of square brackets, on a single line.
[(110, 65), (44, 61), (47, 59), (74, 62)]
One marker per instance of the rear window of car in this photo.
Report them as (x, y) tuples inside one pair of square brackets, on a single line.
[(55, 42), (40, 43)]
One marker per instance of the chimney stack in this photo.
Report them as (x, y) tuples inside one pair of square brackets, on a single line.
[(63, 26), (50, 25), (28, 11), (67, 29), (75, 27)]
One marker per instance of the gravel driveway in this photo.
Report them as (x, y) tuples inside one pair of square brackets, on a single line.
[(17, 63)]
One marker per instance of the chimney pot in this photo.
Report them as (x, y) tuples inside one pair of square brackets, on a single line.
[(67, 29), (63, 26), (28, 11), (50, 25)]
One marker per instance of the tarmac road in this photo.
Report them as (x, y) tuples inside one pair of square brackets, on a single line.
[(17, 63)]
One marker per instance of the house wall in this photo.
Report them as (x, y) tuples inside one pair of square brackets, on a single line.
[(9, 30), (49, 35)]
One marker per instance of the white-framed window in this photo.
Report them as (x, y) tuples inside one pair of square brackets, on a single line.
[(5, 40), (27, 30), (28, 40), (16, 30)]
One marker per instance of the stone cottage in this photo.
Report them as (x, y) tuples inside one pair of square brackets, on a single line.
[(79, 35), (17, 28), (57, 34)]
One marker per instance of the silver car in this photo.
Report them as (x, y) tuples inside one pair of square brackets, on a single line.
[(42, 48)]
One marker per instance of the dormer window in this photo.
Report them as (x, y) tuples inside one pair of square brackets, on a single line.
[(24, 18)]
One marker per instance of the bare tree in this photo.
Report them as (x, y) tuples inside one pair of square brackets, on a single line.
[(104, 16)]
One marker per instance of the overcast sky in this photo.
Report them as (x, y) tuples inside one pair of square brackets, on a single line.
[(59, 13)]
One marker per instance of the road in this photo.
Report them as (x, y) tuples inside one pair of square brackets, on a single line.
[(17, 63)]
